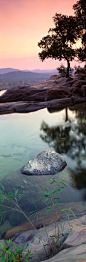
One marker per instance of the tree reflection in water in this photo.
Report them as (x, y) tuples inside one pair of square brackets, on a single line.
[(70, 139)]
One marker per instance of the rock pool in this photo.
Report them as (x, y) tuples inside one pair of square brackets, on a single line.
[(23, 136)]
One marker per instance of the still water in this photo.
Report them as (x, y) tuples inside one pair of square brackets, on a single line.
[(23, 136)]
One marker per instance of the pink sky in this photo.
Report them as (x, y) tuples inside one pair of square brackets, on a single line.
[(22, 25)]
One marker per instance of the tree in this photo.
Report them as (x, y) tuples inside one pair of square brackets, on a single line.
[(80, 13), (58, 44), (63, 70)]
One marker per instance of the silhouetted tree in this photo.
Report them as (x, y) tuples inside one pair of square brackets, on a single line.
[(63, 70), (80, 13), (58, 44)]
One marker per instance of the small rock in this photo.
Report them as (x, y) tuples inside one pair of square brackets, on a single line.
[(77, 236), (24, 236), (79, 83), (46, 163), (56, 94)]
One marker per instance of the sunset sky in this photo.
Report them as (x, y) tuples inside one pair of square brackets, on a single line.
[(22, 25)]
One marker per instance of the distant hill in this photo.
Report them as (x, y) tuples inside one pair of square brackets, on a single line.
[(52, 71), (24, 75), (7, 70), (10, 77)]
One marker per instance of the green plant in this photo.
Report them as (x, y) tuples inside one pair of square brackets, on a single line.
[(8, 255), (51, 197), (4, 251), (13, 199)]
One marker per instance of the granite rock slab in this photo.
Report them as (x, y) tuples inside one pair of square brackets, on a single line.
[(76, 251), (46, 163), (54, 92), (73, 254), (74, 245)]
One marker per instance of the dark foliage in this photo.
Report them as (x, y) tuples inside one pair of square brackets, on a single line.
[(58, 44), (80, 13)]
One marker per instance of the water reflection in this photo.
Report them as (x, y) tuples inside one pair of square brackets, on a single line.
[(69, 139), (53, 110), (20, 141)]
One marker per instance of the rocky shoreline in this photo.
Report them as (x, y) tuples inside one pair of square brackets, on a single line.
[(74, 248), (55, 92)]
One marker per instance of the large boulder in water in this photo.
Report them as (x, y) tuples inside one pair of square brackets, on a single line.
[(46, 163)]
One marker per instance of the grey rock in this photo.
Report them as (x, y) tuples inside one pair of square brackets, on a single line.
[(19, 93), (74, 248), (74, 254), (46, 163), (71, 82), (74, 245), (77, 236), (24, 236), (56, 93), (23, 99), (79, 83), (25, 106)]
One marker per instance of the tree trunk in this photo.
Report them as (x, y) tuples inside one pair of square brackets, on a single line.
[(68, 67), (66, 114)]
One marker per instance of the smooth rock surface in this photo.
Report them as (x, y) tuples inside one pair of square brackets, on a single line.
[(26, 106), (19, 93), (74, 244), (79, 83), (46, 163), (77, 236), (56, 94), (56, 91), (75, 254)]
